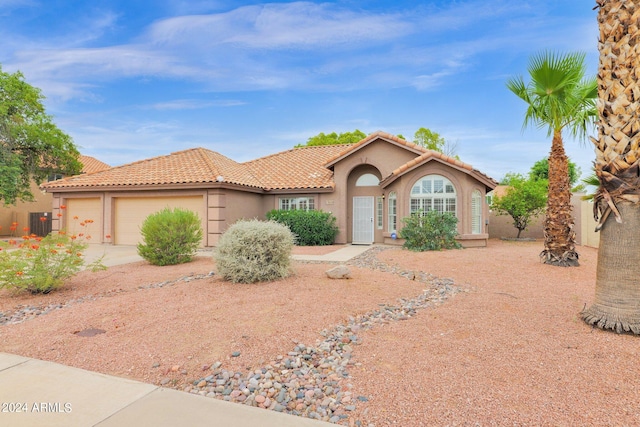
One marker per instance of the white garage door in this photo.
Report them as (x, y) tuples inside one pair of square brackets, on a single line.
[(85, 209), (130, 213)]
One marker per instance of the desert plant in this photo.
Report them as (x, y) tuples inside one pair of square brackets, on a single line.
[(170, 236), (42, 264), (254, 251), (430, 231), (311, 228)]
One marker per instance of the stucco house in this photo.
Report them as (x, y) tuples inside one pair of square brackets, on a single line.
[(369, 187), (29, 214)]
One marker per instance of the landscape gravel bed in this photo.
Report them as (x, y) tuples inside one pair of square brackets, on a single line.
[(508, 349)]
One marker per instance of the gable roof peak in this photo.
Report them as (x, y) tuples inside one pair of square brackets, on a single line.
[(415, 148)]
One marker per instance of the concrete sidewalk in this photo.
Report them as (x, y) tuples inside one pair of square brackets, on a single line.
[(37, 393)]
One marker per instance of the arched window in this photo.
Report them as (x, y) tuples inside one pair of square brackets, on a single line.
[(367, 180), (433, 193), (392, 213), (476, 212)]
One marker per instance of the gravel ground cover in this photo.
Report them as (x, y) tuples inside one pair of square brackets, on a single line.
[(465, 337)]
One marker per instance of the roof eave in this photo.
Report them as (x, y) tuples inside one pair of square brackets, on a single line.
[(301, 190), (488, 182), (158, 187)]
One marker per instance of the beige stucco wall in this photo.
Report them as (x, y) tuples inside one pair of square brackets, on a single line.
[(501, 226), (20, 211), (226, 206), (381, 155)]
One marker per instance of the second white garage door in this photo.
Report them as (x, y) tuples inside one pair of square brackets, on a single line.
[(130, 213)]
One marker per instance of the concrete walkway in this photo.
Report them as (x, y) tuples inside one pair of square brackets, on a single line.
[(38, 393), (341, 255), (120, 254)]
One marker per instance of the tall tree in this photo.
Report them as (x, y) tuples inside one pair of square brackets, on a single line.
[(558, 97), (31, 145), (433, 141), (540, 170), (617, 166)]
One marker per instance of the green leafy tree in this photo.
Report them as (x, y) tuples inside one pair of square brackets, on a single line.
[(540, 170), (558, 96), (31, 145), (523, 200), (334, 138), (429, 139), (433, 141)]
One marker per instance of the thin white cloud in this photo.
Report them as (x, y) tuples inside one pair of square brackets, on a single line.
[(299, 25), (195, 104)]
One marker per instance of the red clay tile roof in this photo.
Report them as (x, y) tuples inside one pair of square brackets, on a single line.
[(283, 170), (196, 165), (297, 168), (91, 164)]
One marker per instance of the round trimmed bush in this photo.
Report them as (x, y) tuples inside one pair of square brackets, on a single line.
[(254, 251), (170, 236)]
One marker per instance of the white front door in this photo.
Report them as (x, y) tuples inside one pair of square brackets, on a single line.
[(363, 220)]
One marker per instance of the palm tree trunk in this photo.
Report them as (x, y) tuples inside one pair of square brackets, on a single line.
[(559, 234), (617, 302), (617, 201)]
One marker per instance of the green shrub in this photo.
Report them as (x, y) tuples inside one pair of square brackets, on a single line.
[(170, 236), (431, 231), (254, 251), (311, 228), (41, 264)]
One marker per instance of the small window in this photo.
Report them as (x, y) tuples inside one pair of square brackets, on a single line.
[(367, 180), (379, 209), (54, 177), (392, 212), (297, 203)]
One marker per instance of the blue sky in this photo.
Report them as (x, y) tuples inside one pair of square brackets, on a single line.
[(133, 79)]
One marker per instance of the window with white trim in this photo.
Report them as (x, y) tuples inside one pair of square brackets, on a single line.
[(433, 193), (296, 203), (379, 210), (476, 212), (392, 212)]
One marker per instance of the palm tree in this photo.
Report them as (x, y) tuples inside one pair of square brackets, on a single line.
[(617, 299), (558, 97)]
